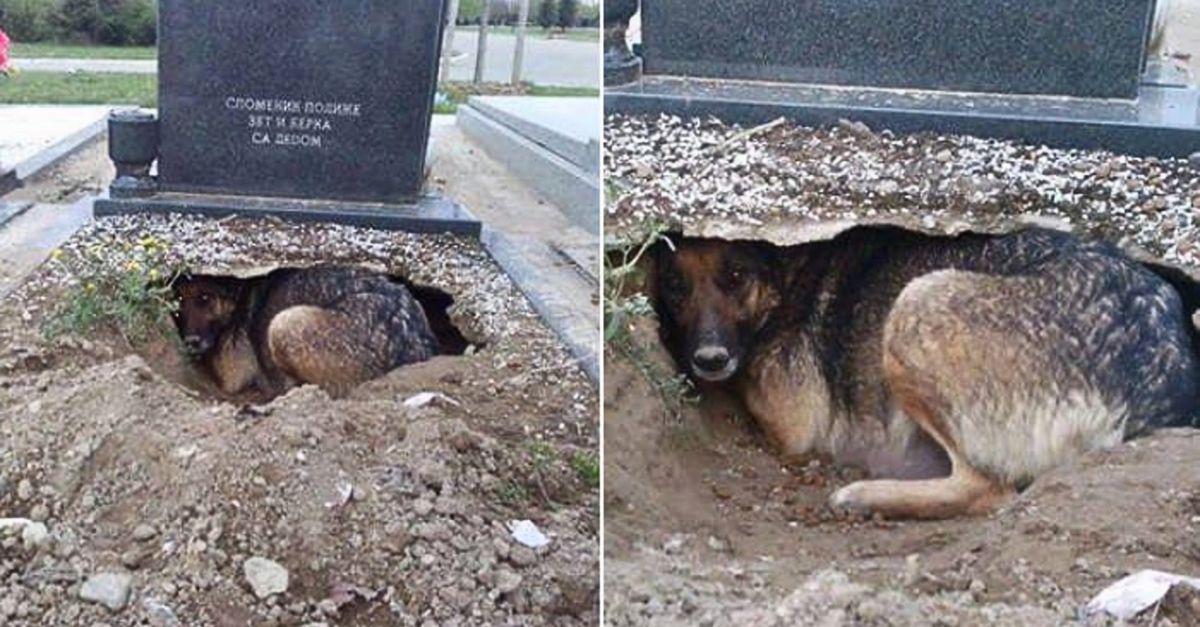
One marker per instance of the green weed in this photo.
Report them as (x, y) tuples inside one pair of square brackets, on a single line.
[(131, 292), (587, 467)]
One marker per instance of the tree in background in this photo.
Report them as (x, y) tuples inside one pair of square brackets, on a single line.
[(469, 11), (79, 19), (568, 13), (547, 14)]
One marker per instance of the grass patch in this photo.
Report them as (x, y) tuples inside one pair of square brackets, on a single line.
[(561, 91), (80, 88), (512, 493), (587, 467), (459, 92), (591, 35), (42, 50)]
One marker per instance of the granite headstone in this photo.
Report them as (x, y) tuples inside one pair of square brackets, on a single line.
[(1059, 47), (297, 98)]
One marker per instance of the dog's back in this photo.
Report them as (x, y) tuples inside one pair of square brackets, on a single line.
[(1131, 336), (338, 324)]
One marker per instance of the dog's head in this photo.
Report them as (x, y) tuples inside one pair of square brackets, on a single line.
[(207, 307), (712, 299)]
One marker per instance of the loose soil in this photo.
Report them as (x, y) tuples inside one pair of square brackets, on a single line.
[(382, 513), (705, 525)]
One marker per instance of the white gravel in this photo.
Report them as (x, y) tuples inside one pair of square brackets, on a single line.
[(683, 172)]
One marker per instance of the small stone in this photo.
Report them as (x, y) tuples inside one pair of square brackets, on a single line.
[(25, 490), (522, 556), (717, 544), (35, 536), (108, 589), (856, 128), (912, 569), (159, 614), (887, 186), (674, 545), (132, 559), (265, 577), (507, 581), (8, 607), (39, 513), (144, 532), (1194, 160)]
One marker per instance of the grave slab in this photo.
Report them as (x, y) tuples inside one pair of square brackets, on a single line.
[(1163, 122), (1068, 74), (427, 214), (33, 137)]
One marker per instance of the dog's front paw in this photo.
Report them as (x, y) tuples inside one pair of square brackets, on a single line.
[(851, 499)]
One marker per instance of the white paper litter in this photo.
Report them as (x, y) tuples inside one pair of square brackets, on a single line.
[(527, 533), (425, 398), (1136, 593)]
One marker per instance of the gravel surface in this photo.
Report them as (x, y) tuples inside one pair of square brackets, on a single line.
[(704, 174)]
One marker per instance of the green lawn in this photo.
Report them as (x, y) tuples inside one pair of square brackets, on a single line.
[(79, 88), (563, 92), (575, 34), (69, 51)]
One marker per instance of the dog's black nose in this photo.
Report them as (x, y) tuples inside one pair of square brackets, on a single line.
[(710, 358), (193, 343)]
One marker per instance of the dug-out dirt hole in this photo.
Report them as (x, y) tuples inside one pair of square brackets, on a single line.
[(242, 299)]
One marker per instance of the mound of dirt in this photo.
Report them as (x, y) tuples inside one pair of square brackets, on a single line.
[(140, 500), (705, 525)]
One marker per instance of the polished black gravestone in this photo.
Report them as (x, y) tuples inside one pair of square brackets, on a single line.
[(302, 109), (1066, 73), (1065, 47)]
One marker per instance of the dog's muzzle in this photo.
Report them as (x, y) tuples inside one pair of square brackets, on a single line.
[(713, 363), (195, 345)]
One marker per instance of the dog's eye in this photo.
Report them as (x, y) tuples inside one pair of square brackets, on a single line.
[(204, 298)]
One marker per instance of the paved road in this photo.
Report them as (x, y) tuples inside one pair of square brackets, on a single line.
[(547, 61), (1183, 35), (86, 65)]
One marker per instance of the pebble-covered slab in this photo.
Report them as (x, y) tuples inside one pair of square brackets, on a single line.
[(488, 302), (789, 183)]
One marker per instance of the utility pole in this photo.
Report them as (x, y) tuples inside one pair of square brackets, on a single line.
[(448, 42), (519, 54), (481, 51)]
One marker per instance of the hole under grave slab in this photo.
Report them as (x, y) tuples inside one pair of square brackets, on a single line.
[(760, 258), (187, 369)]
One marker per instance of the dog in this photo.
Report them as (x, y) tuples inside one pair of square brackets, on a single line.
[(334, 327), (955, 370)]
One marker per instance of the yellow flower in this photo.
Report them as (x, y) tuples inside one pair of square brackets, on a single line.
[(56, 254), (133, 266), (153, 274), (91, 287)]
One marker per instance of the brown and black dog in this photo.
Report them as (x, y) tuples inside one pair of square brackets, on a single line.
[(955, 370), (334, 327)]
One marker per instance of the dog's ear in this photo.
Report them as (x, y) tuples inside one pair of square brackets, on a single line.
[(770, 261)]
